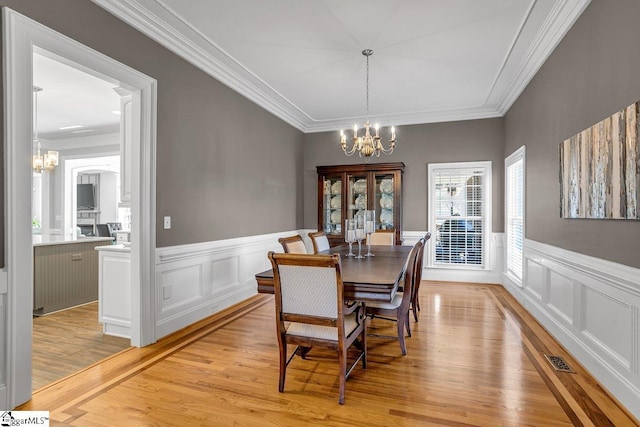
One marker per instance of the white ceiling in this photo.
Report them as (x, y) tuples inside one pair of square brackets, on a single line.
[(433, 60), (71, 97)]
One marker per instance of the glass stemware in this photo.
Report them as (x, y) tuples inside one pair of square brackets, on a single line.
[(369, 228), (350, 234), (359, 233)]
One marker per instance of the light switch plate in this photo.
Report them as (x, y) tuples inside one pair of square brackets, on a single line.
[(167, 222)]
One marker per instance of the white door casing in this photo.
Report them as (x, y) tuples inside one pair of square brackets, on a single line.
[(21, 37)]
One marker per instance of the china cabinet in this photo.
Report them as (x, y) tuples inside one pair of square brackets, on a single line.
[(346, 190)]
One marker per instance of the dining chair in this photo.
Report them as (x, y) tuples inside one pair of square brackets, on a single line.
[(398, 309), (293, 244), (415, 300), (320, 241), (382, 238), (311, 311)]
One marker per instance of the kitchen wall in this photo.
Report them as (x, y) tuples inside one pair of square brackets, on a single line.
[(222, 161), (418, 145), (591, 74)]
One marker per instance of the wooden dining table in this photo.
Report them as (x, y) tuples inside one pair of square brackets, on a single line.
[(373, 278)]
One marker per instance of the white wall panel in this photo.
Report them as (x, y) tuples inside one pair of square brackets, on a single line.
[(180, 286), (198, 280), (535, 279), (592, 307), (612, 335), (560, 300)]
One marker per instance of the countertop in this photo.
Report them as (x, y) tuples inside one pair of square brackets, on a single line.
[(56, 239), (114, 248)]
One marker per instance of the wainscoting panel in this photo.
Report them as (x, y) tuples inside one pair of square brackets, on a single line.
[(592, 307), (197, 280), (560, 295)]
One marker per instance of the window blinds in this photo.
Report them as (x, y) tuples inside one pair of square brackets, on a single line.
[(515, 216), (459, 215)]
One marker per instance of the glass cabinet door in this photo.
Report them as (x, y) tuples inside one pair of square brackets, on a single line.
[(384, 203), (332, 204), (357, 197)]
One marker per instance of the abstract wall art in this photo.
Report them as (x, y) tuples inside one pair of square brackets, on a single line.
[(600, 169)]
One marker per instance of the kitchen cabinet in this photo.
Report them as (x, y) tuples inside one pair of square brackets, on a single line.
[(114, 302), (65, 272), (345, 190)]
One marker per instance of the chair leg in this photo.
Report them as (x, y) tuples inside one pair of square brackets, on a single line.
[(407, 324), (283, 365), (414, 308), (364, 345), (401, 326), (342, 356)]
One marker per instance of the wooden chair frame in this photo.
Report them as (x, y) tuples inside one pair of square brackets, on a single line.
[(314, 239), (384, 235), (415, 300), (400, 314), (304, 343), (286, 242)]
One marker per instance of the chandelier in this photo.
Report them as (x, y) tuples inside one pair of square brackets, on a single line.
[(49, 160), (367, 145)]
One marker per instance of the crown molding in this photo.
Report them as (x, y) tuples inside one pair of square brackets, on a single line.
[(509, 86), (188, 44), (166, 28), (408, 118)]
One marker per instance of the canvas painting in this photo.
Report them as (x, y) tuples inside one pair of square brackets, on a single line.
[(600, 169)]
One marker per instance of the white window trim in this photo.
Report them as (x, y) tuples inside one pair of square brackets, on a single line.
[(516, 156), (486, 212)]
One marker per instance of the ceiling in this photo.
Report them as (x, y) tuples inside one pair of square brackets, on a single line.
[(72, 98), (433, 60)]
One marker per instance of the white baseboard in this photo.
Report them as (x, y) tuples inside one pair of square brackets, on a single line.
[(592, 307)]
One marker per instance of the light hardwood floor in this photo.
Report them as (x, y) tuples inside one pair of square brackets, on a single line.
[(475, 359), (67, 341)]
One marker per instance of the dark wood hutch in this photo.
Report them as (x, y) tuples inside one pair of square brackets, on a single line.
[(344, 190)]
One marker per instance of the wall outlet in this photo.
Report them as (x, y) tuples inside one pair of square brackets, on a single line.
[(167, 222)]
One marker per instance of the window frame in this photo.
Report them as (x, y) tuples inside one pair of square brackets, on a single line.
[(517, 156), (486, 213)]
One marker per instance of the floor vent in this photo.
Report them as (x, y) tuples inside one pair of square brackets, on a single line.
[(559, 364)]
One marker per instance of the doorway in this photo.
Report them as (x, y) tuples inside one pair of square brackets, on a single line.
[(22, 36)]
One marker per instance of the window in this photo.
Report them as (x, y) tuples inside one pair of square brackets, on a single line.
[(514, 213), (459, 212)]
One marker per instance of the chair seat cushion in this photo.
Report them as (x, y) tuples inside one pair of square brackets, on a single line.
[(395, 303), (322, 332)]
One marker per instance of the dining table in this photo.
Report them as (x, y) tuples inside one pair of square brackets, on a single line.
[(373, 278)]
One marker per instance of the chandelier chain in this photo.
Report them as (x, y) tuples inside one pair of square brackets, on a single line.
[(367, 54)]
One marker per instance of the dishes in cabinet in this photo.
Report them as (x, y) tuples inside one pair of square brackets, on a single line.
[(386, 201), (336, 217), (386, 185), (335, 202), (361, 202), (386, 216), (336, 187), (360, 186)]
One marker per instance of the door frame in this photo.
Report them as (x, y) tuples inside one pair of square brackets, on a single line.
[(21, 35)]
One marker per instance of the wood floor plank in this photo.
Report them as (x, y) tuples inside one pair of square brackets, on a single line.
[(67, 341), (475, 359)]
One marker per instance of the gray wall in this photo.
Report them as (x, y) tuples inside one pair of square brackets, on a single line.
[(591, 74), (418, 145), (225, 167)]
